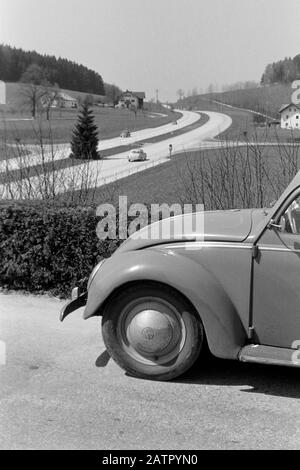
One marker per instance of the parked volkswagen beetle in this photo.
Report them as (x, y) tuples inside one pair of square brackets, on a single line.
[(238, 288)]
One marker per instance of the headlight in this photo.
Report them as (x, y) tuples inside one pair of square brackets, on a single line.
[(94, 272)]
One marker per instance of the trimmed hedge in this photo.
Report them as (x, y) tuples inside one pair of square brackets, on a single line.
[(46, 247)]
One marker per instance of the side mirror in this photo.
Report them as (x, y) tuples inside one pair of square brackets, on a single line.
[(273, 225)]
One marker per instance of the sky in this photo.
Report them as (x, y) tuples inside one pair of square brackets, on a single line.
[(164, 45)]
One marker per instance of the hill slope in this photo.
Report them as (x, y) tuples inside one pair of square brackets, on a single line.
[(264, 99)]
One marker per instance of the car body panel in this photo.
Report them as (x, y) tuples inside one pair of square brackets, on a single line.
[(73, 304), (202, 286), (240, 274), (203, 259), (229, 226), (276, 286), (276, 294)]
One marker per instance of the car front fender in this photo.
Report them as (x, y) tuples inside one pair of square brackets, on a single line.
[(224, 330)]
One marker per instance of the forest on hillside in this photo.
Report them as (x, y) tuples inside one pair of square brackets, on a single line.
[(283, 71), (65, 73)]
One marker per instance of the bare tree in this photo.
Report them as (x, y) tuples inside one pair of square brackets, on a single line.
[(236, 176), (34, 85), (89, 100), (112, 93), (47, 179), (50, 96)]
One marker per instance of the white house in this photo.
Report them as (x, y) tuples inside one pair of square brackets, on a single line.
[(132, 98), (290, 116), (63, 100), (2, 93)]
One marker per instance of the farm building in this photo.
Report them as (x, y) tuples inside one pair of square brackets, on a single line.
[(64, 100), (290, 116), (132, 98)]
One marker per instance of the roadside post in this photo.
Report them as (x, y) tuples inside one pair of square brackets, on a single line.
[(170, 149)]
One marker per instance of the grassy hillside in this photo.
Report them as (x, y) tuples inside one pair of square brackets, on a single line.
[(179, 181), (266, 99), (16, 122), (15, 100), (110, 123), (243, 127)]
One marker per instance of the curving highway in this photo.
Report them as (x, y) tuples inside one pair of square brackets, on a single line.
[(62, 151), (117, 166)]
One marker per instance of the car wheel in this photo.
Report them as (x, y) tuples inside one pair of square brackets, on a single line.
[(152, 332)]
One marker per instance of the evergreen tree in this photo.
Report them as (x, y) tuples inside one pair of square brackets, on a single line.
[(84, 142)]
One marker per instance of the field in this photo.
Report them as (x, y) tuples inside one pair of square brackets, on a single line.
[(171, 182), (175, 181), (242, 121), (16, 122), (59, 162), (110, 123), (15, 99)]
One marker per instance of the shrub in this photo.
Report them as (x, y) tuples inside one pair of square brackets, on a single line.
[(47, 247), (235, 176)]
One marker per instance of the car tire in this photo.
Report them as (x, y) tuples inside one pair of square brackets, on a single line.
[(152, 332)]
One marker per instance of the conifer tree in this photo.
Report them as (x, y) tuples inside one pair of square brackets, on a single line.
[(84, 141)]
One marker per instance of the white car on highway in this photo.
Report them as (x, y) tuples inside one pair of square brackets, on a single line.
[(137, 155)]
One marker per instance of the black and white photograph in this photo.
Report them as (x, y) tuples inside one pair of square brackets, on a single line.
[(149, 227)]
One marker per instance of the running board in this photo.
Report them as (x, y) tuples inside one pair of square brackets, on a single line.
[(270, 355)]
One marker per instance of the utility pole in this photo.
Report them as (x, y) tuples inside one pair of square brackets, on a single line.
[(156, 95)]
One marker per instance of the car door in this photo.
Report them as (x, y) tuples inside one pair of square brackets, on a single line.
[(276, 279)]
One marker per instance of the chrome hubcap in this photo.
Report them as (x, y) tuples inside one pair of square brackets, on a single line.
[(151, 330)]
